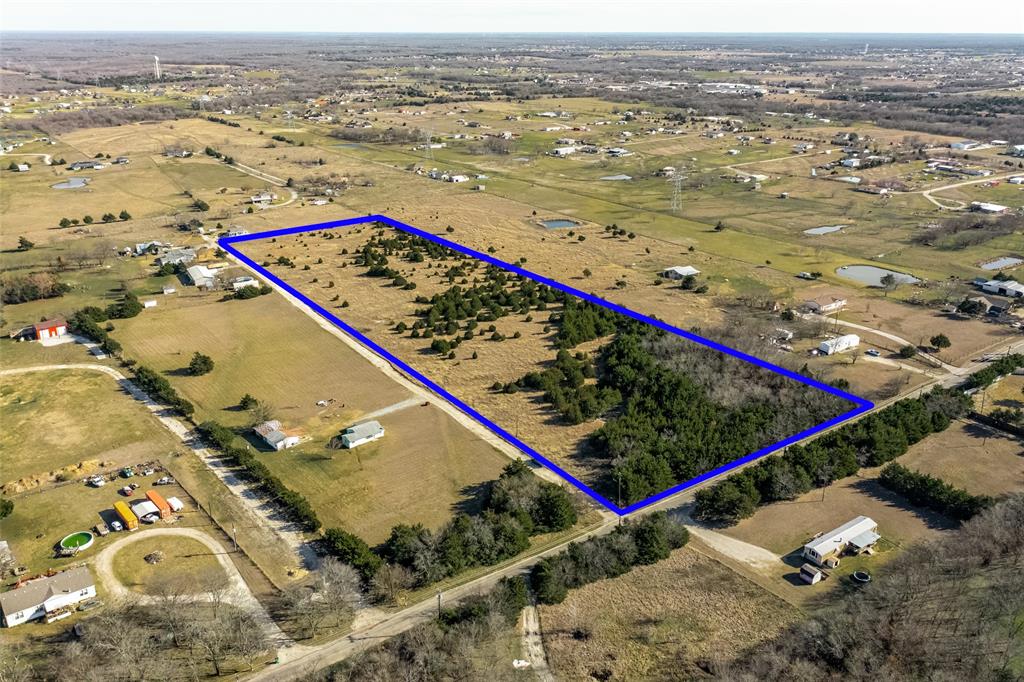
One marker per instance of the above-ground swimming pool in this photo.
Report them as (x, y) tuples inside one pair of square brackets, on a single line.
[(872, 275), (79, 541)]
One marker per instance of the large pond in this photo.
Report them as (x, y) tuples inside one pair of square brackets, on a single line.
[(71, 183), (872, 275), (1004, 262), (824, 229), (557, 223)]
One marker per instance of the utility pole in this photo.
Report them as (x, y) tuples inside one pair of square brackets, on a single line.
[(439, 603)]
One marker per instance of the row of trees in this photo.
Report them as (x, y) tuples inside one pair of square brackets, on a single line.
[(645, 541), (933, 493), (878, 438), (517, 505), (1001, 367), (298, 507), (89, 220)]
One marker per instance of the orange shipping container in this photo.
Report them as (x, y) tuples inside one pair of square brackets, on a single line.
[(161, 504), (128, 517)]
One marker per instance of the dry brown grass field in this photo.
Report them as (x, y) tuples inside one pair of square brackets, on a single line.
[(659, 622), (982, 460)]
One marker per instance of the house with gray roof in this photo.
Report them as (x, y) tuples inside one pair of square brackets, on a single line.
[(53, 597)]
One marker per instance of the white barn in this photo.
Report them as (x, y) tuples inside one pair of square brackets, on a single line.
[(357, 435), (856, 535), (272, 434), (680, 272), (51, 598)]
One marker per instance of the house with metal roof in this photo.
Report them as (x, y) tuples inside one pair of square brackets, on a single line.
[(357, 435), (854, 536), (680, 272), (272, 435), (51, 597)]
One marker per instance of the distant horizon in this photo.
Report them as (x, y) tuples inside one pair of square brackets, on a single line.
[(524, 17)]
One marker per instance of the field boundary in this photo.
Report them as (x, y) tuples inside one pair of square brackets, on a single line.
[(862, 405)]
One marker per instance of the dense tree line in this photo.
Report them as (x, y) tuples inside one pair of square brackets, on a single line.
[(671, 428), (1001, 367), (34, 287), (933, 493), (948, 609), (160, 390), (517, 505), (644, 541), (298, 508), (85, 322), (872, 441)]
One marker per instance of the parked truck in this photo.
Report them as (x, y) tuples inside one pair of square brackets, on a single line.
[(127, 516)]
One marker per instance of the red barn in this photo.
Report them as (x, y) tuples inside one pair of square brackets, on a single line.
[(51, 329)]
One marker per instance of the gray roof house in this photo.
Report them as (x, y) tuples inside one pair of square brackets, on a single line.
[(52, 598), (357, 435)]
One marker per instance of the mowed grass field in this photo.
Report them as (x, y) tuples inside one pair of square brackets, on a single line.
[(425, 467), (982, 460), (657, 622), (50, 422), (187, 564)]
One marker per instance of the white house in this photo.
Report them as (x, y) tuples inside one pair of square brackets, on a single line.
[(824, 306), (21, 168), (357, 435), (856, 535), (272, 434), (52, 598), (839, 344), (562, 152), (852, 162), (1008, 287), (680, 272), (458, 178), (1016, 180), (245, 281), (262, 198)]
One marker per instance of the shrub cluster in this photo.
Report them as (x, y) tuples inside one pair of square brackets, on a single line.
[(297, 506), (933, 493), (39, 285), (645, 541), (85, 322), (872, 441)]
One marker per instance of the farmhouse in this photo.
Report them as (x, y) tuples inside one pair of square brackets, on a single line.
[(50, 329), (824, 306), (52, 597), (680, 272), (1008, 287), (357, 435), (562, 152), (184, 254), (262, 198), (84, 165), (272, 434), (839, 344), (21, 168), (245, 281), (856, 536)]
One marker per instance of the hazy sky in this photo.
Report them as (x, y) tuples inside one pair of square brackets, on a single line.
[(428, 16)]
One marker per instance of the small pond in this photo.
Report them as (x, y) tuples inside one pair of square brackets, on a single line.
[(1001, 263), (824, 229), (557, 223), (872, 275), (71, 183), (617, 177)]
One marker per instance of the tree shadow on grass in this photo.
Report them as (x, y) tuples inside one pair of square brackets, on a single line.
[(873, 488), (472, 498)]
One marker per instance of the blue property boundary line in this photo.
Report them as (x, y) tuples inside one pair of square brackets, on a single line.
[(862, 405)]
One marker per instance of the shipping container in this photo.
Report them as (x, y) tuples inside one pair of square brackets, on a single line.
[(127, 516), (161, 504)]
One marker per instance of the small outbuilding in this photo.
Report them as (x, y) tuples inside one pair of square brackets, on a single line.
[(272, 435), (680, 272), (50, 329)]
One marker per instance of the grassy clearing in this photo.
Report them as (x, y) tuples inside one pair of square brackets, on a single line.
[(971, 456), (186, 561), (50, 424), (659, 621)]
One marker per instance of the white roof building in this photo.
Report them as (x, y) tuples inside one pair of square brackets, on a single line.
[(144, 508), (52, 598), (858, 534), (1008, 287), (357, 435), (986, 207), (202, 276), (680, 271), (563, 151), (839, 344)]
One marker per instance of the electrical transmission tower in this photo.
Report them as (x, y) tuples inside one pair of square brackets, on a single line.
[(677, 193)]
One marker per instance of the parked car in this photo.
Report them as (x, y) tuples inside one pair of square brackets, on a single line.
[(127, 491), (116, 526), (127, 472), (872, 352), (164, 480), (148, 472), (97, 481)]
